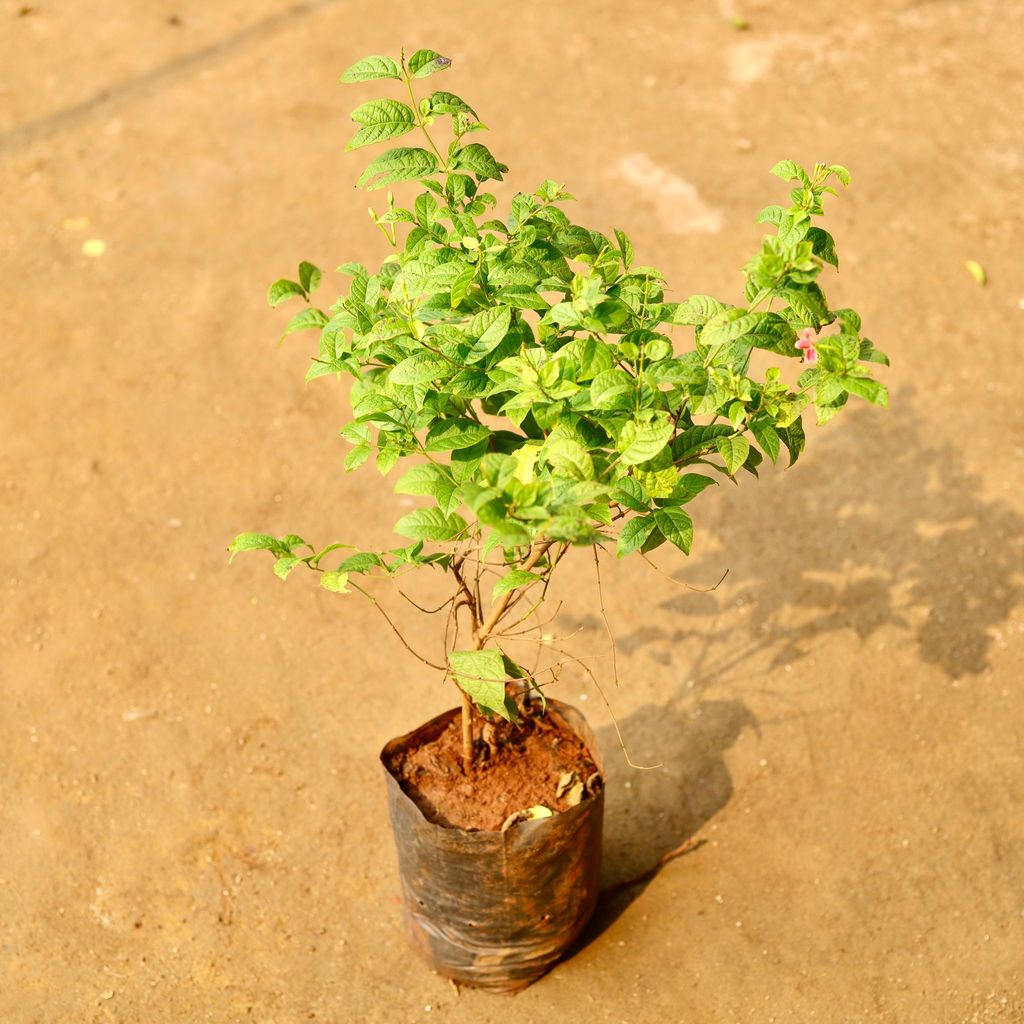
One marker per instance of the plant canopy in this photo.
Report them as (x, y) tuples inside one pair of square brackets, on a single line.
[(525, 375)]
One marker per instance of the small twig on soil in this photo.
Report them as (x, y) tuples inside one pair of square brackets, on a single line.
[(691, 844)]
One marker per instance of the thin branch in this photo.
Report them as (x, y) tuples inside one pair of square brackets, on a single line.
[(476, 573), (502, 603), (426, 611), (607, 624), (398, 632), (682, 583), (571, 659), (539, 639), (539, 625), (456, 567), (618, 732)]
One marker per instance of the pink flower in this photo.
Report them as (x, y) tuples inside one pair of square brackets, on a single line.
[(805, 342)]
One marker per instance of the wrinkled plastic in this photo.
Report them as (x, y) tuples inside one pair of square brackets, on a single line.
[(496, 910)]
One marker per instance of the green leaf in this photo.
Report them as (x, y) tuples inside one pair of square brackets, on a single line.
[(482, 675), (257, 542), (460, 286), (568, 456), (400, 164), (357, 457), (613, 389), (625, 248), (793, 438), (687, 488), (335, 581), (427, 62), (634, 534), (696, 439), (284, 289), (455, 434), (729, 325), (676, 526), (420, 368), (787, 170), (488, 327), (370, 68), (477, 159), (772, 215), (305, 320), (864, 387), (840, 172), (448, 103), (319, 368), (513, 581), (362, 561), (424, 479), (430, 524), (630, 494), (381, 120), (639, 442), (309, 276), (284, 565), (697, 310), (386, 459), (823, 245), (767, 438), (388, 328), (734, 451)]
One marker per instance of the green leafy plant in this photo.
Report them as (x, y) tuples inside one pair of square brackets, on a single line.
[(525, 373)]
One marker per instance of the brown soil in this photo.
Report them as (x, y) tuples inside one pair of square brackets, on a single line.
[(520, 769)]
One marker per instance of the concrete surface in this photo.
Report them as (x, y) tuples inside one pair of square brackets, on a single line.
[(192, 823)]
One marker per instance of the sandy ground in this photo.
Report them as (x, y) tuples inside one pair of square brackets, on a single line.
[(192, 822)]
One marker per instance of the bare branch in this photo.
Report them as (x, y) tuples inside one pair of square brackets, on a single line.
[(502, 603), (426, 611), (539, 639), (607, 624), (532, 609), (682, 583), (618, 732), (469, 600), (397, 631)]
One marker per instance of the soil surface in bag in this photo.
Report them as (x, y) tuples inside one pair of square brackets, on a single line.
[(517, 766)]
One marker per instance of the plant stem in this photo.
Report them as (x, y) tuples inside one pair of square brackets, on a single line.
[(481, 635), (467, 734), (502, 603)]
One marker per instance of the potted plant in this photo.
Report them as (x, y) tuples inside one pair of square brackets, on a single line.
[(521, 372)]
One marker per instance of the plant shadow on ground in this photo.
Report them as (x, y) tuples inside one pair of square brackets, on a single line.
[(665, 806), (895, 535)]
